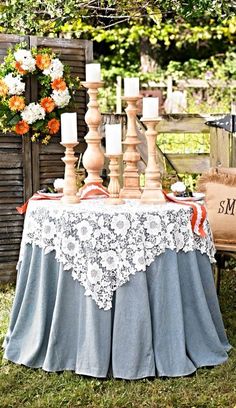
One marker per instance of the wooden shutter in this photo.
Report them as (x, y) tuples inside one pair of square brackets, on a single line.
[(47, 164), (15, 173), (24, 166)]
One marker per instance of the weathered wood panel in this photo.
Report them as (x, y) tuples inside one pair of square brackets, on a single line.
[(13, 185), (233, 151), (222, 143), (183, 124), (190, 163), (8, 271), (24, 166), (220, 154), (11, 194)]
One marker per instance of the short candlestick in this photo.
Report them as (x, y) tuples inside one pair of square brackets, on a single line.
[(69, 189), (93, 158), (152, 191), (131, 186), (114, 185)]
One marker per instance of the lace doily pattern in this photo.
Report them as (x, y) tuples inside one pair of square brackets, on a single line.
[(103, 245)]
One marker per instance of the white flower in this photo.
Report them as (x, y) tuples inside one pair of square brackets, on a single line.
[(139, 261), (33, 112), (120, 224), (100, 221), (84, 230), (59, 184), (31, 226), (15, 84), (94, 273), (49, 230), (26, 60), (61, 98), (178, 187), (179, 239), (169, 228), (152, 225), (69, 246), (55, 69), (109, 260)]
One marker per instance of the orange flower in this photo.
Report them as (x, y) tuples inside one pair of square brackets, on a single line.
[(48, 104), (58, 84), (3, 88), (19, 68), (53, 126), (22, 127), (43, 61), (16, 103)]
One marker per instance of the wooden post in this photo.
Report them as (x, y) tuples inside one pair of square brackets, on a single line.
[(118, 94), (233, 150), (169, 87), (219, 147)]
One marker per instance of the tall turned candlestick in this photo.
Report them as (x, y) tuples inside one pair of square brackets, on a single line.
[(131, 186), (152, 192), (93, 158), (69, 189), (114, 185)]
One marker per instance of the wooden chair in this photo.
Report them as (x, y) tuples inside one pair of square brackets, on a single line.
[(224, 251)]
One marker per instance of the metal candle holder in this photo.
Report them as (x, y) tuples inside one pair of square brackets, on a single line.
[(152, 191), (131, 186), (70, 188)]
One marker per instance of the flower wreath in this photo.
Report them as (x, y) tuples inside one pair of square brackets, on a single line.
[(56, 89)]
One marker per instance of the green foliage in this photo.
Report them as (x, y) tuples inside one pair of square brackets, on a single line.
[(43, 17), (189, 39)]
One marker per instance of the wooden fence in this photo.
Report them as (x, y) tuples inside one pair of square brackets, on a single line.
[(26, 167), (222, 144)]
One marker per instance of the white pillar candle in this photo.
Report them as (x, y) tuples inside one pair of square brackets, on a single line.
[(113, 139), (150, 108), (131, 87), (69, 127), (93, 72)]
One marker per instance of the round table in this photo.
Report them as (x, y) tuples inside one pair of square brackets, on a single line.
[(121, 290)]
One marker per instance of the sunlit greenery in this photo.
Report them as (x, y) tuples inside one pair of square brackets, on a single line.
[(192, 39)]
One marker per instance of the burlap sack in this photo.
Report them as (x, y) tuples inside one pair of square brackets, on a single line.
[(219, 186)]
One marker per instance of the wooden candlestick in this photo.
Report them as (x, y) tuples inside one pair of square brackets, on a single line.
[(93, 158), (69, 189), (152, 192), (114, 184), (131, 186)]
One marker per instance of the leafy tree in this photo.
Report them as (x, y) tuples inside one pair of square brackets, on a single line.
[(42, 17), (191, 38)]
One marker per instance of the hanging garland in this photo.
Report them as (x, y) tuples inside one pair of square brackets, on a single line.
[(56, 89)]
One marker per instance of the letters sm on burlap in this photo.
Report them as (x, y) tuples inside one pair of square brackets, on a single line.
[(219, 186)]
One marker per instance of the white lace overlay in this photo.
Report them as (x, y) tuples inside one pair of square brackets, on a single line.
[(103, 245)]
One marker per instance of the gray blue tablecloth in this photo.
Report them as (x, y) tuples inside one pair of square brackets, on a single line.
[(164, 322)]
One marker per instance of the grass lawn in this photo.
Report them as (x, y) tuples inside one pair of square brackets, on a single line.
[(208, 388)]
